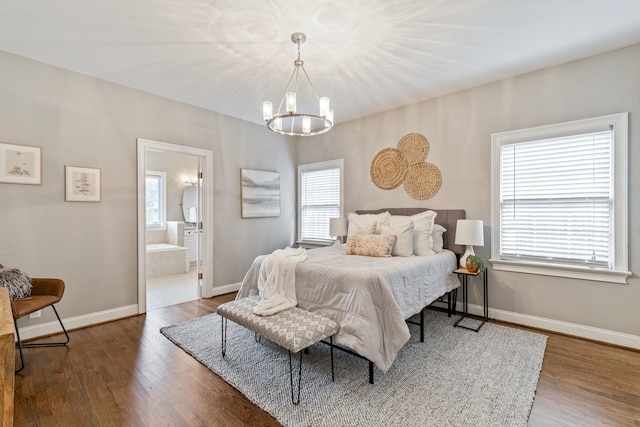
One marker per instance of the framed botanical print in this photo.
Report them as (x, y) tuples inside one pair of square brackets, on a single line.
[(82, 184), (20, 164)]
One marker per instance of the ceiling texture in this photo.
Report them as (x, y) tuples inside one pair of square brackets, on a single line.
[(368, 56)]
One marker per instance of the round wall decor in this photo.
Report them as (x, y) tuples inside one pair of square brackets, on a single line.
[(388, 168), (415, 147), (422, 180)]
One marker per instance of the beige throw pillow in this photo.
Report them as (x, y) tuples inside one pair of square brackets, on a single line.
[(370, 245)]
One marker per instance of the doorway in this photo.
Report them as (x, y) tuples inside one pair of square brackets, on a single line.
[(172, 244)]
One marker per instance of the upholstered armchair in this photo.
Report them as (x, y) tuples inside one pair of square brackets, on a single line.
[(44, 293)]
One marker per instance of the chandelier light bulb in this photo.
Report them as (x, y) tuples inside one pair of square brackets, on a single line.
[(267, 110), (330, 116), (324, 106), (291, 102), (306, 124), (277, 124)]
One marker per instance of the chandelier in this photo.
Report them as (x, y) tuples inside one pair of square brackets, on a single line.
[(291, 121)]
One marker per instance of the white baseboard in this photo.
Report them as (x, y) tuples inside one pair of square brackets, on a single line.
[(226, 289), (42, 329), (53, 327), (589, 332), (597, 334)]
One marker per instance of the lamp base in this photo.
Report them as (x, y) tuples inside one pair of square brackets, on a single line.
[(463, 258)]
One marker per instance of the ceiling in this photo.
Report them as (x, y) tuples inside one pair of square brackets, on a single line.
[(366, 55)]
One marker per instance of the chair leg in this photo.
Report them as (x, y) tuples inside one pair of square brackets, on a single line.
[(15, 322), (44, 344)]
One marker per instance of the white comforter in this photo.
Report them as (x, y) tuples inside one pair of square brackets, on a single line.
[(369, 297)]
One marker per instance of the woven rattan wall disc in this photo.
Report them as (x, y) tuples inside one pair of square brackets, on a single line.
[(388, 168), (415, 147), (422, 180)]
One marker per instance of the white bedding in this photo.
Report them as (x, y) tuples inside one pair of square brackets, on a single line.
[(370, 297)]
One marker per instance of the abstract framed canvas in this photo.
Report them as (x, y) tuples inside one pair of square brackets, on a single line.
[(260, 193), (82, 184), (20, 164)]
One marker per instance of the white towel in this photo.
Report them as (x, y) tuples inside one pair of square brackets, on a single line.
[(277, 281)]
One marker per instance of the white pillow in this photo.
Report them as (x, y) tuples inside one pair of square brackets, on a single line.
[(438, 242), (422, 230), (366, 223), (403, 245)]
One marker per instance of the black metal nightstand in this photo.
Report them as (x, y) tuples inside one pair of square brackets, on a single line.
[(464, 274)]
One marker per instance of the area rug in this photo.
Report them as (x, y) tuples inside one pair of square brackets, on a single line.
[(456, 377)]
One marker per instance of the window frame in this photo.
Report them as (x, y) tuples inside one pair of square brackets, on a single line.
[(163, 202), (619, 272), (328, 164)]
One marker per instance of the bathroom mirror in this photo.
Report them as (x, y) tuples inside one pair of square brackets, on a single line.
[(190, 204)]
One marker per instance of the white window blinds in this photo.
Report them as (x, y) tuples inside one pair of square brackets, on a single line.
[(556, 200), (320, 200)]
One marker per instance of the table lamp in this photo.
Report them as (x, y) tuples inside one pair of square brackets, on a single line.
[(338, 228), (469, 232)]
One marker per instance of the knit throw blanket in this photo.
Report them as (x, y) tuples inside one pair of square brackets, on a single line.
[(18, 283)]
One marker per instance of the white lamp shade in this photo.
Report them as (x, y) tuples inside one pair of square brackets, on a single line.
[(324, 106), (469, 232), (291, 102), (267, 110), (330, 116), (306, 124), (338, 227), (277, 123)]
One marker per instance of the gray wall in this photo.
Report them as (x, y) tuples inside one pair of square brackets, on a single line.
[(82, 121), (459, 128)]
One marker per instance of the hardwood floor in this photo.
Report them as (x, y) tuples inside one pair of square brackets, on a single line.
[(125, 373)]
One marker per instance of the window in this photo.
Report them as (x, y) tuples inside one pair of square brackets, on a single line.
[(559, 201), (319, 199), (155, 198)]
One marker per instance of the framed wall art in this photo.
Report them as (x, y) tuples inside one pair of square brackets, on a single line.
[(20, 164), (82, 184), (260, 193)]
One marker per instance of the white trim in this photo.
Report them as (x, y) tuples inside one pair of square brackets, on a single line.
[(574, 329), (76, 322), (572, 272), (327, 164), (620, 161), (206, 156), (226, 289)]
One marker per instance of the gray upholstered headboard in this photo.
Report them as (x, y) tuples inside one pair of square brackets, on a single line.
[(448, 218)]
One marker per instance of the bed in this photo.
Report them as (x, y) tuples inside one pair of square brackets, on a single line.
[(372, 297)]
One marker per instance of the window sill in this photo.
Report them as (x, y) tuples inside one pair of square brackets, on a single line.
[(584, 273), (313, 244)]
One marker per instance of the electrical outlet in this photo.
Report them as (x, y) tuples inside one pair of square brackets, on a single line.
[(35, 314)]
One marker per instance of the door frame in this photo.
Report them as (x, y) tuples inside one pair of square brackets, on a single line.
[(206, 217)]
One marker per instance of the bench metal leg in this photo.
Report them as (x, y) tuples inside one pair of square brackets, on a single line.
[(333, 377), (295, 400), (224, 336)]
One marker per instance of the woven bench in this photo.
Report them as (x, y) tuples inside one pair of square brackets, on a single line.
[(294, 329)]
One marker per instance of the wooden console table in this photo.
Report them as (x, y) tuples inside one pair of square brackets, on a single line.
[(7, 358)]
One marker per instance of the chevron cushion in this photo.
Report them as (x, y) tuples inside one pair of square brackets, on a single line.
[(294, 329)]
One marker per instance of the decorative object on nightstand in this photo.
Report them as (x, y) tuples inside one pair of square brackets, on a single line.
[(469, 232), (464, 275), (338, 228), (475, 264)]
